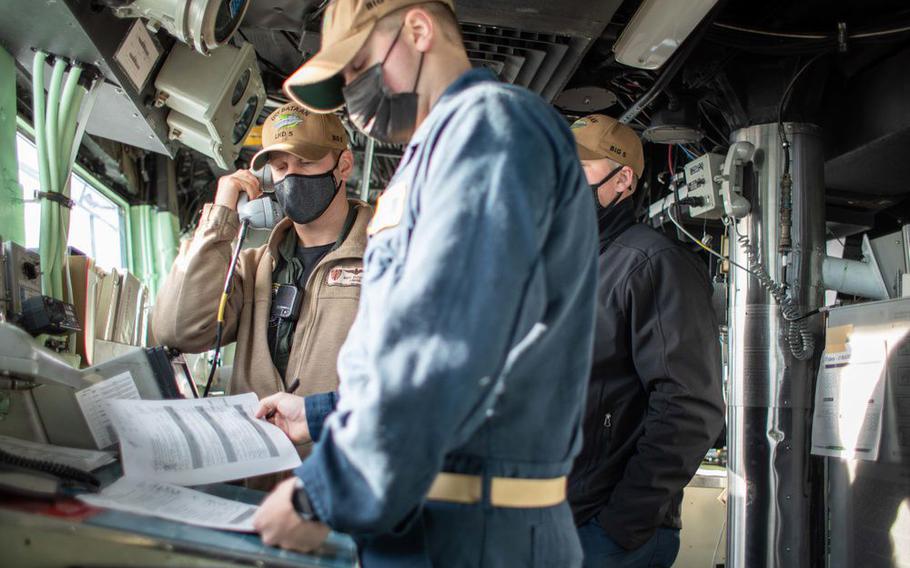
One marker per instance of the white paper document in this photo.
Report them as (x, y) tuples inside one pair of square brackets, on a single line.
[(85, 460), (174, 503), (199, 441), (849, 397), (93, 403)]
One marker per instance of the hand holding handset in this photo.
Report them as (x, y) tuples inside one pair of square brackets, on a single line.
[(263, 212)]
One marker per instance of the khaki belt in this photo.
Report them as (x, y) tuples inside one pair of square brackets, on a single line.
[(504, 491)]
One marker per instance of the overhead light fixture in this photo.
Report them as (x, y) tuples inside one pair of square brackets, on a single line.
[(202, 24), (677, 123), (657, 29), (214, 100)]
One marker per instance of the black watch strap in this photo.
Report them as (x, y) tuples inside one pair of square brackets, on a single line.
[(302, 503)]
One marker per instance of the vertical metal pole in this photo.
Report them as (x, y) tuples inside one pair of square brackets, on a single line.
[(769, 402), (367, 170)]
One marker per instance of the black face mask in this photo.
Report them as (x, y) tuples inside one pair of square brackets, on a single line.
[(386, 117), (596, 186), (305, 198)]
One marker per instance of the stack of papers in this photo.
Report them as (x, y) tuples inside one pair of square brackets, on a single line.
[(168, 444), (198, 441), (174, 503)]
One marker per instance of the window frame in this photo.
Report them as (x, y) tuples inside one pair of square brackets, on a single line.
[(126, 241)]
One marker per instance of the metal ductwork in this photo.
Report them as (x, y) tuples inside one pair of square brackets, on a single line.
[(770, 390), (536, 61), (537, 44)]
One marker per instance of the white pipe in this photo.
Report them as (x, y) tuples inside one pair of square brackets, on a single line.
[(854, 277)]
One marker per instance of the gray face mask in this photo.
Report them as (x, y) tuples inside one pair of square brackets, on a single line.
[(305, 198), (387, 117)]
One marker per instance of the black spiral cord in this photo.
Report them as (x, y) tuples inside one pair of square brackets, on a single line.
[(64, 472)]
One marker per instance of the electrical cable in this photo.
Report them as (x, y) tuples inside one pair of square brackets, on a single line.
[(785, 98), (799, 338), (723, 133), (697, 241), (688, 154), (811, 36), (222, 304), (769, 33), (786, 182)]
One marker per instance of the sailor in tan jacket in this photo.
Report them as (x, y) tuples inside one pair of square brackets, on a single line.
[(317, 251)]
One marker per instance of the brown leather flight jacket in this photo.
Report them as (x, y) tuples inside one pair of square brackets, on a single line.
[(185, 313)]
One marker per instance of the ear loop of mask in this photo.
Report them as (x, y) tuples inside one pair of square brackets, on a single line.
[(391, 47), (419, 65), (610, 176)]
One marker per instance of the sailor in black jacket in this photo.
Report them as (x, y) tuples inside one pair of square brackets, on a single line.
[(655, 401)]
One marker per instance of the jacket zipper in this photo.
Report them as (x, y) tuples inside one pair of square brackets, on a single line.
[(311, 308)]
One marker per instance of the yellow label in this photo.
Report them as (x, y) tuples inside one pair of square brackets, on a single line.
[(254, 138)]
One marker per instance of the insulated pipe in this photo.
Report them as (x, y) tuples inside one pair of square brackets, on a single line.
[(50, 217), (65, 113), (49, 241), (52, 138), (38, 110), (69, 117), (853, 277)]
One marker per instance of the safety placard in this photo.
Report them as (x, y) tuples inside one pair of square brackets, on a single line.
[(138, 54)]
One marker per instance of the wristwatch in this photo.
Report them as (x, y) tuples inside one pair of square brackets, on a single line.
[(302, 502)]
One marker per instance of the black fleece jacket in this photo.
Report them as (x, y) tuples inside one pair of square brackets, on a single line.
[(655, 401)]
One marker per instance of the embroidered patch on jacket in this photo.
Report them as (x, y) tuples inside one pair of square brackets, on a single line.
[(344, 277), (389, 209)]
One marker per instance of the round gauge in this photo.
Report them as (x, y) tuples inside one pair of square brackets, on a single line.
[(245, 121), (240, 87), (227, 20)]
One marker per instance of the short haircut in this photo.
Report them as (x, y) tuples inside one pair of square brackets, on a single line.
[(441, 13)]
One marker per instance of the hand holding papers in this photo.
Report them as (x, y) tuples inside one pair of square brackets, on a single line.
[(287, 412), (197, 441), (168, 443)]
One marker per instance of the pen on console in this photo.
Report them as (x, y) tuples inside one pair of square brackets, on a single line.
[(291, 388)]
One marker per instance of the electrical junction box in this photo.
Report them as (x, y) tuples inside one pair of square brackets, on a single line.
[(22, 276), (703, 182), (214, 100)]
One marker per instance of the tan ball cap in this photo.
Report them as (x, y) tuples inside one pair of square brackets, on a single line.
[(294, 129), (346, 26), (598, 136)]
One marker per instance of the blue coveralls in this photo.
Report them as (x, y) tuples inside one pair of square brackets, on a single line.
[(472, 344)]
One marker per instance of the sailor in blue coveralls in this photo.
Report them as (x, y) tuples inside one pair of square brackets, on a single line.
[(463, 377)]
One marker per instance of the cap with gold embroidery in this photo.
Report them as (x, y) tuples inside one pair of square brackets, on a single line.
[(346, 26), (598, 136), (296, 130)]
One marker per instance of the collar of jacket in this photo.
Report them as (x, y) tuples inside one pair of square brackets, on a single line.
[(467, 79), (352, 247), (613, 221)]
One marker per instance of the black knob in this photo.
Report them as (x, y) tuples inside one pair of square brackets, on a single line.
[(29, 270)]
